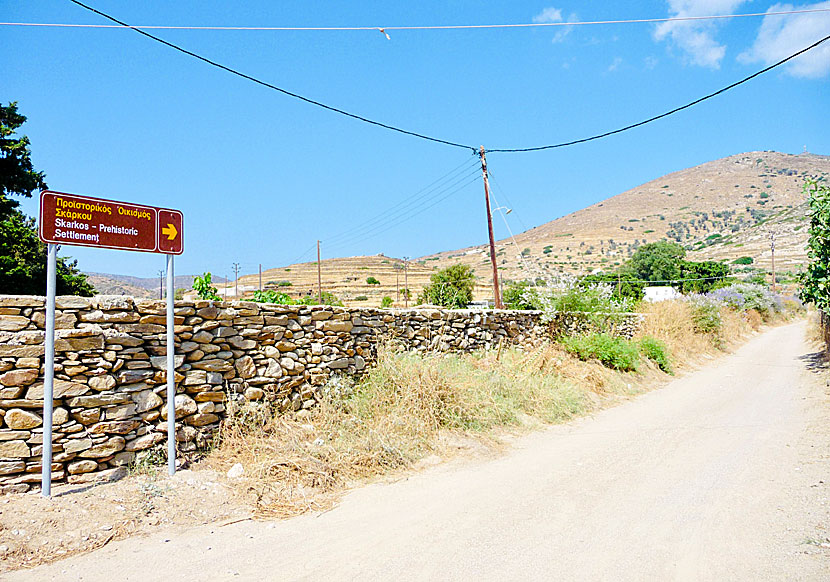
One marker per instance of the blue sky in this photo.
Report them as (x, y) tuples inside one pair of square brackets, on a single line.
[(260, 176)]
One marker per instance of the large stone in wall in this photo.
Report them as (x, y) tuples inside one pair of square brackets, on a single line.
[(245, 367), (60, 389), (16, 351), (19, 419), (102, 383), (213, 365), (14, 450), (146, 400), (336, 325), (144, 442), (184, 405), (19, 377), (13, 322), (105, 449)]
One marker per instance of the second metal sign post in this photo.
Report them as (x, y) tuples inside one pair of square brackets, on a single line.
[(69, 219)]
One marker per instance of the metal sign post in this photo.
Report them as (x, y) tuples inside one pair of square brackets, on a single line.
[(69, 219), (171, 373), (48, 371)]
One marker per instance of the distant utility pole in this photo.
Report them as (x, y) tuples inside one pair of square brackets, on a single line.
[(161, 284), (260, 277), (496, 291), (406, 281), (397, 282), (319, 275), (772, 248), (236, 280)]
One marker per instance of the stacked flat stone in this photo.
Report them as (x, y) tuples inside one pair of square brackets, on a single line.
[(110, 369)]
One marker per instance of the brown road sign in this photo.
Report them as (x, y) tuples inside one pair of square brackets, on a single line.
[(69, 219), (171, 232)]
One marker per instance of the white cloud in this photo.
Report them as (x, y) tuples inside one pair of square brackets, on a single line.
[(650, 62), (781, 36), (554, 15), (697, 38), (615, 64)]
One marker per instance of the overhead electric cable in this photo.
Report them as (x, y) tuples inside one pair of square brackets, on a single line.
[(403, 214), (269, 85), (667, 113), (428, 27), (403, 219), (427, 137), (411, 200)]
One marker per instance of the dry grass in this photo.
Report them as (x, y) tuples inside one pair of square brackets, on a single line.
[(402, 411), (412, 406)]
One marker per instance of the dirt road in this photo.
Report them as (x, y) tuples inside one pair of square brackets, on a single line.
[(721, 475)]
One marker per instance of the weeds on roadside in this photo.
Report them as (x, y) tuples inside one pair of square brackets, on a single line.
[(397, 414), (614, 352), (656, 351)]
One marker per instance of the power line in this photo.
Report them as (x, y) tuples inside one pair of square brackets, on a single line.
[(427, 137), (384, 29), (270, 86), (386, 227), (405, 215), (409, 201), (666, 114)]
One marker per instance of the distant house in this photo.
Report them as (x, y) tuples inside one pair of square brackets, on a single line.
[(655, 294)]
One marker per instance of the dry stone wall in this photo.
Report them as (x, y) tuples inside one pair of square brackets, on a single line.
[(110, 369)]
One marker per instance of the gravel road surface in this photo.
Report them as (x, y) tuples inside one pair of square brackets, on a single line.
[(720, 475)]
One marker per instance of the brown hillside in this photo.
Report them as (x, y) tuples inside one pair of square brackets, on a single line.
[(345, 277), (720, 210)]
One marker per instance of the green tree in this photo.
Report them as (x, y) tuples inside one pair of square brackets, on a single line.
[(450, 287), (815, 281), (22, 254), (658, 261), (386, 302), (513, 295), (702, 277), (204, 289), (623, 284)]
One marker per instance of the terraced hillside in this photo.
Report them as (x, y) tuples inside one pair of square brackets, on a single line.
[(725, 209), (345, 277)]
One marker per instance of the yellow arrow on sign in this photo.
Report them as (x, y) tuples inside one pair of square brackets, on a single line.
[(170, 231)]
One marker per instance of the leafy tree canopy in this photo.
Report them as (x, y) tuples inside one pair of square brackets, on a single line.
[(450, 287), (815, 281), (22, 254), (657, 261)]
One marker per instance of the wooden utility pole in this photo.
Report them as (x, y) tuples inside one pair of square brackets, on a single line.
[(496, 291), (772, 248), (319, 275), (406, 281), (397, 282), (236, 280), (260, 277)]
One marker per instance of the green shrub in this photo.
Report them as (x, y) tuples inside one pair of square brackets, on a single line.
[(614, 352), (386, 302), (361, 298), (204, 288), (743, 261), (657, 352), (284, 284), (372, 281), (706, 314)]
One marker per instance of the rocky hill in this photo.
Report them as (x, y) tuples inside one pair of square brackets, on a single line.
[(110, 284), (722, 210)]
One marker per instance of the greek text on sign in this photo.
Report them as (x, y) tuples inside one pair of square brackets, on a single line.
[(69, 219)]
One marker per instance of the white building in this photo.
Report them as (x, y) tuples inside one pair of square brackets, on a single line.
[(655, 294)]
